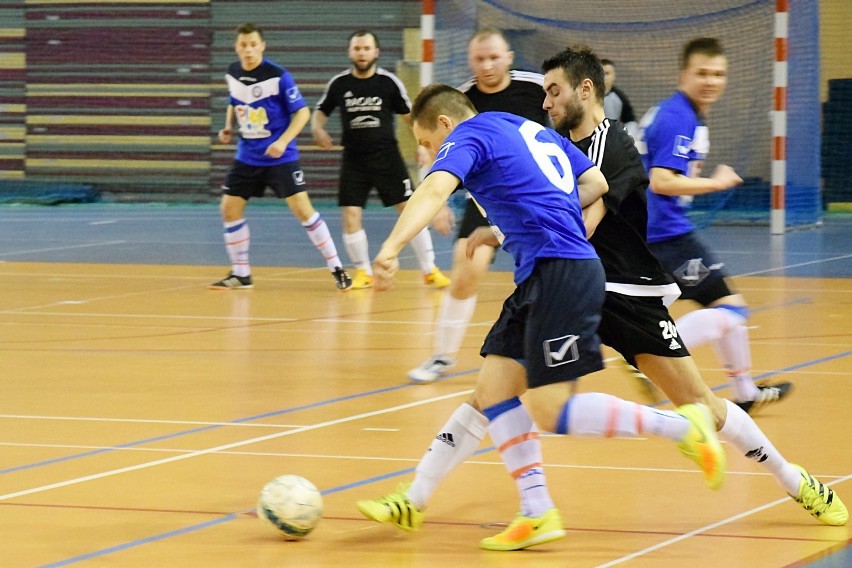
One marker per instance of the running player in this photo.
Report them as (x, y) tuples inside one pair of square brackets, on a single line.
[(270, 112), (525, 178), (674, 141), (493, 87), (369, 97)]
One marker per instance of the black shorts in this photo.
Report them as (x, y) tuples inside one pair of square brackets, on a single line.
[(471, 220), (699, 274), (386, 171), (550, 322), (248, 181), (633, 325)]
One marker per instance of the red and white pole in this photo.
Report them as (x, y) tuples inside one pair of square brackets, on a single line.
[(427, 35), (777, 221)]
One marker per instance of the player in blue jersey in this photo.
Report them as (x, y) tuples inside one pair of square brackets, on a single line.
[(674, 142), (270, 112), (531, 184), (494, 87), (369, 98)]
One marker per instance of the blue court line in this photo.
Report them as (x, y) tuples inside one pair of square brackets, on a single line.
[(215, 426), (362, 482)]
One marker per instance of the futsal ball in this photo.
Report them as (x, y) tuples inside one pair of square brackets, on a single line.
[(291, 505)]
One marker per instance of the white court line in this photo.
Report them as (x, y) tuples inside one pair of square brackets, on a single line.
[(21, 312), (145, 421), (704, 529), (196, 453), (797, 265), (69, 247)]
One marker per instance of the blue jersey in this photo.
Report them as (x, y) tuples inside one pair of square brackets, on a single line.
[(264, 99), (672, 136), (523, 177)]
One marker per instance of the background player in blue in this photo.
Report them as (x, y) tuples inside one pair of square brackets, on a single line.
[(270, 112), (525, 178), (369, 97), (674, 142), (494, 86)]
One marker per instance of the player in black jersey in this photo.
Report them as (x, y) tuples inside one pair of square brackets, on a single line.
[(634, 321), (494, 87), (368, 98), (270, 112)]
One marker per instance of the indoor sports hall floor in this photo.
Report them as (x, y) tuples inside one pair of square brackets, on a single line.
[(141, 413)]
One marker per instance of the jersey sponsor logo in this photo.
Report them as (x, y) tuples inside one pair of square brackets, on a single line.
[(299, 177), (561, 350), (362, 104), (365, 122), (444, 150), (293, 94), (252, 121)]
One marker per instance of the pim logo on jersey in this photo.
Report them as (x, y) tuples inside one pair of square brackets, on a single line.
[(561, 350), (443, 150), (299, 177), (293, 94)]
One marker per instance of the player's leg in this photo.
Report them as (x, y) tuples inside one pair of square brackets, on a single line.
[(353, 191), (458, 300), (288, 182), (721, 322), (243, 181)]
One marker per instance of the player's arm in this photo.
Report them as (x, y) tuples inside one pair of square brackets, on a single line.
[(592, 215), (419, 211), (298, 120), (225, 133), (591, 186), (665, 181), (318, 122)]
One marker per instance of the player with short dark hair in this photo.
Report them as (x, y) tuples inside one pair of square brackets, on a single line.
[(270, 112), (531, 184), (674, 141), (369, 97)]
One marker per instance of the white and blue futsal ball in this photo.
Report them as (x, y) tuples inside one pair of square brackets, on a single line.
[(290, 504)]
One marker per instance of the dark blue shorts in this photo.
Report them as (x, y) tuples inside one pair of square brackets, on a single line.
[(699, 274), (550, 322), (248, 181), (386, 171)]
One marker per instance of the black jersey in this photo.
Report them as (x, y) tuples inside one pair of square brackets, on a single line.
[(620, 238), (367, 108), (524, 96)]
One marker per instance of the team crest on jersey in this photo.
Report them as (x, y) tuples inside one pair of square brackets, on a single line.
[(444, 150), (256, 91), (293, 94)]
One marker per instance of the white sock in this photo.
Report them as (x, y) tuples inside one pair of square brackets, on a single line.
[(358, 250), (237, 241), (604, 415), (734, 352), (422, 245), (456, 441), (451, 325), (321, 237), (516, 437), (745, 435)]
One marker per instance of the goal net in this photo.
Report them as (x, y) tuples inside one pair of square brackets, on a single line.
[(644, 40)]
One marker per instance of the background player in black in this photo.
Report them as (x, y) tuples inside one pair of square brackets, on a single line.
[(270, 112), (369, 97), (494, 87), (616, 104)]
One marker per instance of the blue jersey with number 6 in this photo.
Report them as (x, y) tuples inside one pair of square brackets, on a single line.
[(524, 178)]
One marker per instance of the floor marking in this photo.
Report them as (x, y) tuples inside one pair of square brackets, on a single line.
[(69, 247), (144, 421)]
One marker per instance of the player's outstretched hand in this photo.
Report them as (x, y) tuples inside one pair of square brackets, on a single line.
[(385, 267), (481, 236), (726, 177)]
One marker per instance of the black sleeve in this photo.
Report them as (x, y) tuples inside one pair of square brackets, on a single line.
[(622, 167), (627, 114)]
